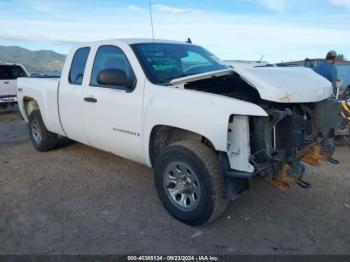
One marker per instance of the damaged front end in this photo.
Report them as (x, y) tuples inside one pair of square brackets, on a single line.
[(299, 129), (293, 134)]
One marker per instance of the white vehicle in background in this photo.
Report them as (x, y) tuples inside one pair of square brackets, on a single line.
[(205, 128), (8, 82)]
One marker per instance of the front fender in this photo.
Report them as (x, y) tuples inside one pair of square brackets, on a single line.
[(202, 113)]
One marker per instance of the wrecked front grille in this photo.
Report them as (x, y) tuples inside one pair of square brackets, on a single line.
[(290, 129)]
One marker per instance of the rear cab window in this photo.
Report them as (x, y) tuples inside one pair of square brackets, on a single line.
[(11, 72), (77, 69)]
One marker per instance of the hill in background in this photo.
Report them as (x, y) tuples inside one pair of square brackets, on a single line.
[(34, 61)]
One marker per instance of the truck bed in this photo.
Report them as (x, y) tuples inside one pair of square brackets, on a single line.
[(45, 91)]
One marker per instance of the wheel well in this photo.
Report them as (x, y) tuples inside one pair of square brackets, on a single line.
[(162, 136), (29, 105)]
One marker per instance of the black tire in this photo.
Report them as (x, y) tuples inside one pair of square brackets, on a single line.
[(48, 140), (204, 163)]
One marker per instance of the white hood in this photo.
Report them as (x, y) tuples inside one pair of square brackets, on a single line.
[(277, 84)]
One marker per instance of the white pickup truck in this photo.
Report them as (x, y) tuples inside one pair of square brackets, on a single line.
[(206, 129), (8, 82)]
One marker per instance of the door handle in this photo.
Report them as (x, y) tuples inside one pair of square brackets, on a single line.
[(6, 82), (90, 99)]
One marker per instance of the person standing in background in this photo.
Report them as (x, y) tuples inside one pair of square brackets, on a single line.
[(328, 70)]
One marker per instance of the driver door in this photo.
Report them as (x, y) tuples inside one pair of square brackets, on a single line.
[(113, 114)]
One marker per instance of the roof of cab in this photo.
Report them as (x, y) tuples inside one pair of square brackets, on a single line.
[(9, 64), (130, 41), (5, 63)]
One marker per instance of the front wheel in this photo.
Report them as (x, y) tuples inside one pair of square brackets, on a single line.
[(189, 182), (42, 139)]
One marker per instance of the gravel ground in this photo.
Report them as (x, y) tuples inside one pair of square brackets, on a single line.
[(79, 200)]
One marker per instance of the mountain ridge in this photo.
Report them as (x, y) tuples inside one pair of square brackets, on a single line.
[(33, 61)]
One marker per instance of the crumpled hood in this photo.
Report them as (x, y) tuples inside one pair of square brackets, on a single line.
[(287, 84), (277, 84)]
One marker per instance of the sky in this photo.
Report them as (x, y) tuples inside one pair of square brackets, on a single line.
[(279, 30)]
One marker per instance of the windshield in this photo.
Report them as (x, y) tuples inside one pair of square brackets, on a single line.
[(165, 62)]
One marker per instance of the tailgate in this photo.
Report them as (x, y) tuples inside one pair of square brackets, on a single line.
[(8, 88)]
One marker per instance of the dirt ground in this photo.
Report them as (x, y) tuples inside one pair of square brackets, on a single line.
[(79, 200)]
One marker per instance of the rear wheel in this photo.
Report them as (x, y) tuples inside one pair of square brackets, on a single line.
[(189, 182), (42, 139)]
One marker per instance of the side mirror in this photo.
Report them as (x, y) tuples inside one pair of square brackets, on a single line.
[(115, 77)]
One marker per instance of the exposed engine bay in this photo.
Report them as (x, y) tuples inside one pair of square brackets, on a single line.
[(230, 85), (293, 133)]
